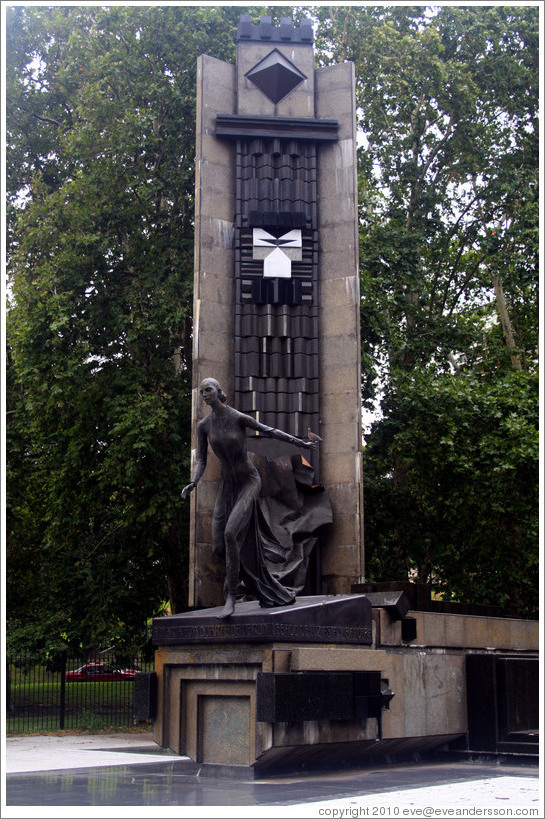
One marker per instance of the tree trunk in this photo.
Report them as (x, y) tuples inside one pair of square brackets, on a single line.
[(176, 563), (508, 334)]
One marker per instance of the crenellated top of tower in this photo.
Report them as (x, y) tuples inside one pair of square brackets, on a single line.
[(266, 32)]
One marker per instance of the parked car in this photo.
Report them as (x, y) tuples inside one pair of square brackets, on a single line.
[(98, 672)]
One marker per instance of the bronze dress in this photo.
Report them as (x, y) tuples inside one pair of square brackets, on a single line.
[(240, 532)]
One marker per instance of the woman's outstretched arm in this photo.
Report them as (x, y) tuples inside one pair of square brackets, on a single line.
[(272, 432)]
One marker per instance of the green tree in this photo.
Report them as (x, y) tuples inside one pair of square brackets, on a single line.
[(101, 118), (465, 515), (448, 171), (448, 103), (100, 129), (100, 182)]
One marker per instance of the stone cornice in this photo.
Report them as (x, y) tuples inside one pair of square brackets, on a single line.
[(234, 126)]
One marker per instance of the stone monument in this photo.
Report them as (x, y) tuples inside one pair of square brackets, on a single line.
[(276, 293), (345, 672)]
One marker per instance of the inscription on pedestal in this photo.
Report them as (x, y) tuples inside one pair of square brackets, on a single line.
[(322, 619)]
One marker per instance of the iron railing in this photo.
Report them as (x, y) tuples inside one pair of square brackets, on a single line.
[(56, 693)]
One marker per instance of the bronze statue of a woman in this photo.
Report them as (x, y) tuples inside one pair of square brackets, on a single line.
[(235, 508)]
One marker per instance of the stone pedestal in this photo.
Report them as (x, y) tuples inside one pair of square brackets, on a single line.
[(227, 695), (329, 681)]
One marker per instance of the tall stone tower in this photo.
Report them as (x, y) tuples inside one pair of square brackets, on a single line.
[(276, 304)]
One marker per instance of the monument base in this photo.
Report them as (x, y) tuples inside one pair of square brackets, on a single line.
[(266, 689)]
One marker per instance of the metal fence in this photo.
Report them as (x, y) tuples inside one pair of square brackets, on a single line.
[(47, 694)]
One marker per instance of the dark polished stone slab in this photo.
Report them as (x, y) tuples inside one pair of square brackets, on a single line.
[(318, 619), (237, 126), (419, 597), (396, 603)]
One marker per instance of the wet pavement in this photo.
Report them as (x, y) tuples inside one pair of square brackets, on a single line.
[(131, 771)]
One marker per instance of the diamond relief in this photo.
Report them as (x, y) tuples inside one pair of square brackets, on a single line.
[(276, 76)]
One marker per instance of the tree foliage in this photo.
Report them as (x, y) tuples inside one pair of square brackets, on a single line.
[(448, 170), (464, 512), (101, 117), (100, 174), (100, 106), (448, 105)]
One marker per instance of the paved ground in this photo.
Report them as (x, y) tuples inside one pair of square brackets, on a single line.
[(52, 753), (130, 772)]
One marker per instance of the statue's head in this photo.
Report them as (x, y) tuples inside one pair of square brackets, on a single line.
[(215, 384)]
